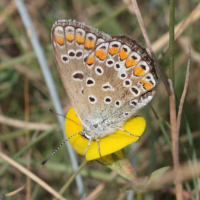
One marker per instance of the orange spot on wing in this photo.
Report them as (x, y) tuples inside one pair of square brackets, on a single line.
[(147, 85), (59, 40), (70, 37), (113, 50), (101, 54), (90, 60), (89, 44), (130, 62), (80, 39), (123, 54), (139, 71)]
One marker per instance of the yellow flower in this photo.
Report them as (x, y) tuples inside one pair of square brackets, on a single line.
[(109, 144)]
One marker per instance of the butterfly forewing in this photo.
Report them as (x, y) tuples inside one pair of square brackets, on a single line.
[(72, 43), (65, 54)]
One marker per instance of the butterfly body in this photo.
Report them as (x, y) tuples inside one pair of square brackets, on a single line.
[(107, 79)]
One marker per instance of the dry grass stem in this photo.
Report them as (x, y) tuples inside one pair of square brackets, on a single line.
[(32, 176), (179, 28), (128, 5), (93, 195), (175, 128), (175, 143), (21, 124), (141, 23), (183, 94), (12, 193), (26, 99), (184, 42)]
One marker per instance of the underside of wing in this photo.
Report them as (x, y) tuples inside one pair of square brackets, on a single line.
[(120, 79), (105, 77), (72, 43)]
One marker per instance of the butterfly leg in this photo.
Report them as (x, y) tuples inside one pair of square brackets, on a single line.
[(121, 129), (98, 143), (88, 146)]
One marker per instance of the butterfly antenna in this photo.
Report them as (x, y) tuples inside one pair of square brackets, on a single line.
[(43, 162), (121, 129), (64, 117)]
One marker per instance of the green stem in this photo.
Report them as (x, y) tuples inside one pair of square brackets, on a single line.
[(139, 196), (72, 177)]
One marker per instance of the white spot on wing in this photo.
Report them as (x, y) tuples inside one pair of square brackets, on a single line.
[(99, 70), (90, 82), (64, 58), (135, 91), (135, 56), (78, 76), (127, 83), (107, 87), (71, 54), (109, 63), (79, 54), (92, 99), (117, 103), (107, 100)]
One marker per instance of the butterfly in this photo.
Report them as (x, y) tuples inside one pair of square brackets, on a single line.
[(107, 78)]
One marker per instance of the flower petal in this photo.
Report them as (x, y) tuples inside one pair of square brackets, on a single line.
[(108, 144)]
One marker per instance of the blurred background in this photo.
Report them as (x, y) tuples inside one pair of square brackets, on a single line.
[(24, 96)]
